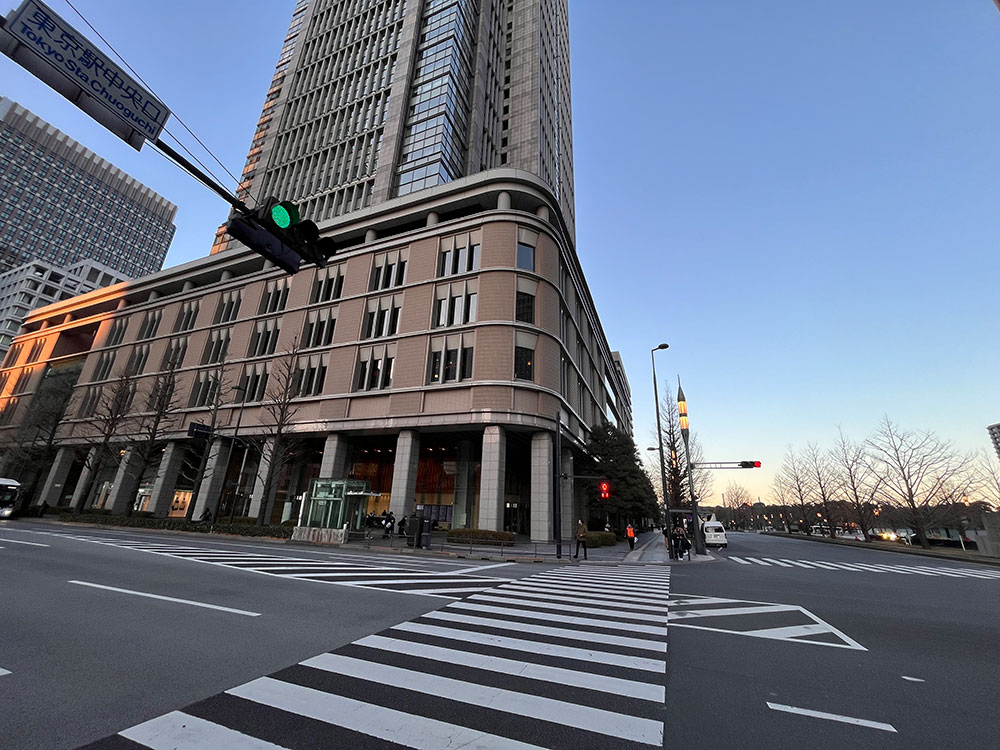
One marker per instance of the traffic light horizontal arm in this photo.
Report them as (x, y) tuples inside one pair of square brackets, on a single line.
[(726, 465), (202, 177)]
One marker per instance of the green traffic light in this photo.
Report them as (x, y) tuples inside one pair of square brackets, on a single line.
[(281, 216)]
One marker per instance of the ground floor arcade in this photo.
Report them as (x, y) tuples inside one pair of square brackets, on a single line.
[(495, 477)]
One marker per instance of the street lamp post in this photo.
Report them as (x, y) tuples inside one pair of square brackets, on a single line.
[(699, 539), (236, 432), (659, 436)]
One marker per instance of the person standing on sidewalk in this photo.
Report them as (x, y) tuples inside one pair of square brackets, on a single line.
[(630, 533), (678, 537), (581, 538)]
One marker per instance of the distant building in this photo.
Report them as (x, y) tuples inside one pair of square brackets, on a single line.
[(63, 203), (994, 430), (40, 283)]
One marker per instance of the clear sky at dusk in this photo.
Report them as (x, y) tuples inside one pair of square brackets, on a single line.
[(800, 198)]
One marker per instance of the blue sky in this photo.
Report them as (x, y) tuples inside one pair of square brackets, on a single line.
[(799, 197)]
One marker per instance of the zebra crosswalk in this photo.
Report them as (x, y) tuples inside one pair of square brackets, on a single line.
[(858, 567), (574, 657), (350, 571)]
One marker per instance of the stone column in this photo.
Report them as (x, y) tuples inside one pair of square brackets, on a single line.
[(257, 497), (166, 477), (210, 491), (84, 480), (542, 471), (567, 496), (463, 487), (53, 489), (334, 464), (491, 483), (404, 473), (126, 484)]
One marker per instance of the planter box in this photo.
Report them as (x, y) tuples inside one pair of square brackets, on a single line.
[(317, 536)]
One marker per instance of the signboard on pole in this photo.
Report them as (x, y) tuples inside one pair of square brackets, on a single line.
[(40, 41)]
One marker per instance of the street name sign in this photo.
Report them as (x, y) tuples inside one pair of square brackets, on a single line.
[(40, 41)]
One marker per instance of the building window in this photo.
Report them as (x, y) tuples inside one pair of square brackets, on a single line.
[(104, 364), (524, 363), (173, 357), (525, 256), (275, 296), (205, 390), (329, 285), (459, 255), (381, 318), (229, 307), (21, 384), (264, 337), (319, 329), (253, 383), (375, 368), (388, 270), (216, 347), (137, 359), (13, 353), (310, 375), (524, 308), (92, 397), (150, 322), (450, 358), (36, 350), (187, 316), (455, 304), (7, 411)]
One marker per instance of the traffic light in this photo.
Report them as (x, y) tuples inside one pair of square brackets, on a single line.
[(749, 464), (604, 486), (276, 230)]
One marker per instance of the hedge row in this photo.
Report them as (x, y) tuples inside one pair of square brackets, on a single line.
[(241, 526), (601, 539), (480, 536)]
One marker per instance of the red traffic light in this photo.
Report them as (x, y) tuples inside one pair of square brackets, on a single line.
[(749, 464), (605, 488)]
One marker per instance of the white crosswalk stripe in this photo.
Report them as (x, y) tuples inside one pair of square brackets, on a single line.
[(481, 673), (859, 567), (376, 573)]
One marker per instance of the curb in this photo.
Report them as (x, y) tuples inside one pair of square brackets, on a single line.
[(898, 548)]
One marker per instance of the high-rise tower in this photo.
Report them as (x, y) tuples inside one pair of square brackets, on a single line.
[(372, 101)]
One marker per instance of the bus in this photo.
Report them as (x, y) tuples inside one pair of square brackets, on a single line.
[(8, 497)]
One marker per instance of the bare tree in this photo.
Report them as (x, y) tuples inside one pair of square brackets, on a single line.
[(824, 483), (110, 420), (779, 495), (280, 446), (858, 479), (151, 426), (920, 472), (794, 475), (987, 473), (738, 500)]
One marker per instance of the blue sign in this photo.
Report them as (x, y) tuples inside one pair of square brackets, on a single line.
[(38, 28)]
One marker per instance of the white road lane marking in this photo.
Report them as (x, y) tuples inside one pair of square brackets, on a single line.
[(178, 729), (738, 559), (797, 562), (559, 675), (405, 729), (912, 679), (167, 598), (506, 597), (759, 562), (536, 647), (4, 671), (17, 541), (832, 717), (599, 720), (480, 567), (776, 562), (530, 614)]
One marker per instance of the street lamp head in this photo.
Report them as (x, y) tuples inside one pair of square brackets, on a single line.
[(682, 407), (662, 346)]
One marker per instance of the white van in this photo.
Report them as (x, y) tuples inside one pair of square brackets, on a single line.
[(715, 534)]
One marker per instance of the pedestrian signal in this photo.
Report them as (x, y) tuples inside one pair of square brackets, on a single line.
[(605, 489)]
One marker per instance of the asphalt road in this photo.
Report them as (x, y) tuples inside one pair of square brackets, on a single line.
[(78, 663), (929, 630)]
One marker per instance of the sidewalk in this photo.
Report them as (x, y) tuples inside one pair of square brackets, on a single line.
[(652, 550)]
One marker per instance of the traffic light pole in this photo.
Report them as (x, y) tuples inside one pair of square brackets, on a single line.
[(203, 178)]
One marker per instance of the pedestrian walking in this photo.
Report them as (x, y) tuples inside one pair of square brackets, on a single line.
[(402, 526), (389, 525), (581, 538), (679, 538), (666, 542), (630, 533)]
